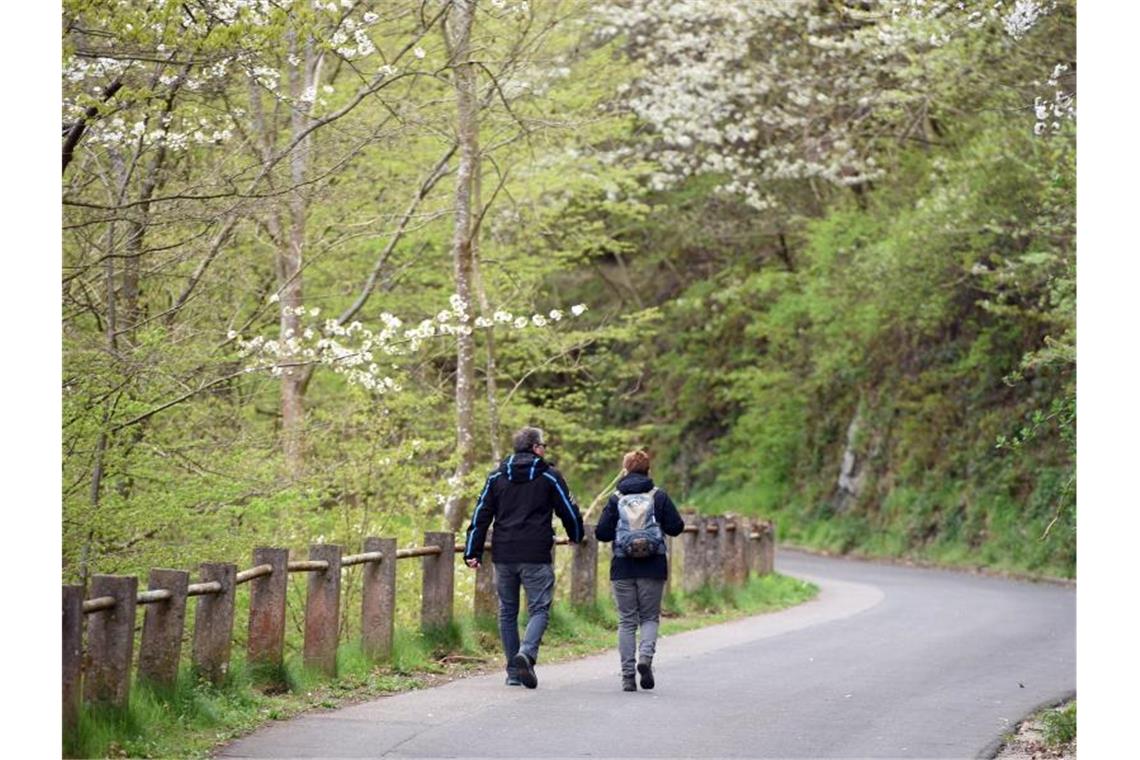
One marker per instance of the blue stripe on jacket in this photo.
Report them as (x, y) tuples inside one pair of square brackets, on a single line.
[(565, 500), (478, 506)]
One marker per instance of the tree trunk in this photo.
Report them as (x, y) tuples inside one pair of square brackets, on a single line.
[(485, 311), (302, 89), (467, 135)]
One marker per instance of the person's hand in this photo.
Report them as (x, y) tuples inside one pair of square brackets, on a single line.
[(474, 562)]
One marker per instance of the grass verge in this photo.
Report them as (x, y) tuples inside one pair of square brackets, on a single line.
[(195, 717), (1049, 733)]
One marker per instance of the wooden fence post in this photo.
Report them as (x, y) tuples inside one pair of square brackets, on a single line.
[(708, 556), (739, 547), (768, 542), (378, 599), (265, 645), (163, 623), (584, 569), (110, 641), (214, 623), (746, 547), (756, 556), (322, 610), (72, 654), (693, 549), (486, 602), (439, 581), (721, 551), (728, 549)]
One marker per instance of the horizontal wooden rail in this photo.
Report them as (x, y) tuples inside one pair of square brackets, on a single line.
[(98, 604), (730, 528), (460, 548), (360, 559), (200, 589), (418, 551), (308, 565), (156, 595), (254, 572)]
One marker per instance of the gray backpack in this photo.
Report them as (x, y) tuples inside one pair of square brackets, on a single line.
[(638, 534)]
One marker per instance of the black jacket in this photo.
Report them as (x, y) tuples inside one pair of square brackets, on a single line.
[(520, 497), (667, 517)]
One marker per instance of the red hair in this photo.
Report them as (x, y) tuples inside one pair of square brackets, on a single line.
[(636, 461)]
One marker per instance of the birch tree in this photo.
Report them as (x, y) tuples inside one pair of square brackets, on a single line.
[(457, 32)]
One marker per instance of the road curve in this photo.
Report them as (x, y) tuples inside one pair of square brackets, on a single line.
[(888, 662)]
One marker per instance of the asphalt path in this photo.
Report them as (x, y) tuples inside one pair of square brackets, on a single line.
[(887, 662)]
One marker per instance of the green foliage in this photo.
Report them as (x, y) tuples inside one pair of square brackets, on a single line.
[(909, 324)]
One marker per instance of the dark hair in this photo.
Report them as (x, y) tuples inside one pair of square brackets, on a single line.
[(636, 461), (527, 438)]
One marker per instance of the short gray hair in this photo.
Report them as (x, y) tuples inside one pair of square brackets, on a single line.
[(527, 438)]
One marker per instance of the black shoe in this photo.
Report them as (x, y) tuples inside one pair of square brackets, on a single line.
[(645, 668), (525, 668), (628, 683), (513, 681)]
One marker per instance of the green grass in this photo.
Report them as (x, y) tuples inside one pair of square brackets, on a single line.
[(192, 719), (1059, 726)]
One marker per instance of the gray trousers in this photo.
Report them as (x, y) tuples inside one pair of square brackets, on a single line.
[(538, 580), (638, 604)]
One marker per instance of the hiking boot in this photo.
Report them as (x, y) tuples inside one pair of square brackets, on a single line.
[(525, 668), (628, 683), (513, 681), (645, 669)]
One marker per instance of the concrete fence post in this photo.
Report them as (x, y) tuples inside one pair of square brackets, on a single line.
[(439, 581), (160, 649), (322, 610), (692, 551), (214, 623), (110, 641), (486, 602), (584, 570), (72, 654), (378, 599), (265, 646)]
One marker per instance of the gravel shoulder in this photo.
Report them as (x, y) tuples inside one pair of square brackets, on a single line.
[(1028, 742)]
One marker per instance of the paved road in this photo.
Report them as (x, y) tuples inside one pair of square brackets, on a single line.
[(888, 662)]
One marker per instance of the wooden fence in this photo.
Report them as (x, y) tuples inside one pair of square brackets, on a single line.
[(714, 550)]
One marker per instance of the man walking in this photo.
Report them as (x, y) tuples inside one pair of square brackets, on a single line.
[(520, 497)]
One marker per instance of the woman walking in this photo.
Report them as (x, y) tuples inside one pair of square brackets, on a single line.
[(636, 519)]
